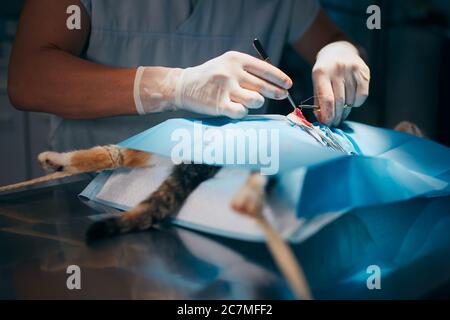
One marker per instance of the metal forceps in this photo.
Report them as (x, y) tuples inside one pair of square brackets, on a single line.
[(316, 107)]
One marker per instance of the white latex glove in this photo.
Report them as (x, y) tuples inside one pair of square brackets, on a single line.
[(228, 85), (340, 78)]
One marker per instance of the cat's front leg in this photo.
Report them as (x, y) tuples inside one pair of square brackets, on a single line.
[(94, 159)]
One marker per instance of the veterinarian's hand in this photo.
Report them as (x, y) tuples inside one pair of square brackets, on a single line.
[(228, 85), (341, 78)]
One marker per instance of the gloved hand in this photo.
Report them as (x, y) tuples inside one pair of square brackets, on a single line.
[(227, 85), (340, 78)]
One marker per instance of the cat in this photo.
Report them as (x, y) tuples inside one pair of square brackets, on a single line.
[(167, 200)]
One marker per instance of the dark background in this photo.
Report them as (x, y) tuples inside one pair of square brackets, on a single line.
[(408, 59)]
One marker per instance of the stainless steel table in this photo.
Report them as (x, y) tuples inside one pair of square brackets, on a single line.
[(42, 233)]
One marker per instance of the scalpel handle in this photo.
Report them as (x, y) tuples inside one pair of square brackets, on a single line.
[(259, 48), (262, 53)]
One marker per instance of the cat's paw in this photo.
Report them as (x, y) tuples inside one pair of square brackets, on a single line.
[(249, 200), (409, 127), (52, 161)]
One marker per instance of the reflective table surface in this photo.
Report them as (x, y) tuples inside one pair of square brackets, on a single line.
[(42, 233)]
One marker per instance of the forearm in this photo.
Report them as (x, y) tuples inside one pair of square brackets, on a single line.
[(57, 82), (46, 74)]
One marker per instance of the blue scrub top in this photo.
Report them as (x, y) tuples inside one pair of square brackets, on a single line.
[(175, 33)]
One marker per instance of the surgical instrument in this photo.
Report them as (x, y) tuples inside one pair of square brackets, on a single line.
[(262, 53)]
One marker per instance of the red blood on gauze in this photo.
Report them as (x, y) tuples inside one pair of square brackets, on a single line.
[(301, 118)]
